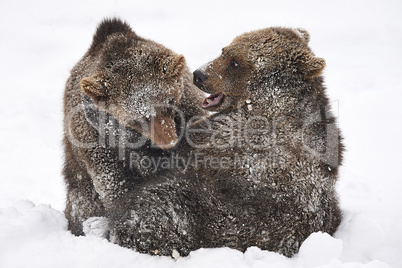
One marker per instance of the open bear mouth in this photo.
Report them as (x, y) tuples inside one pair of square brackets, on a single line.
[(213, 100)]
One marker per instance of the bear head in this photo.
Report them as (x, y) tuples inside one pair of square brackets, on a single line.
[(268, 58), (137, 81)]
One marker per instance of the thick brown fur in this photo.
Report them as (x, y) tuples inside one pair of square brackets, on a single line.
[(278, 142), (263, 168), (121, 88)]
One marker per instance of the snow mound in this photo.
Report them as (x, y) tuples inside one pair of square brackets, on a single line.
[(319, 249), (96, 226), (37, 236)]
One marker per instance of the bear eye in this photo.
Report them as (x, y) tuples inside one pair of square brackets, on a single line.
[(234, 64)]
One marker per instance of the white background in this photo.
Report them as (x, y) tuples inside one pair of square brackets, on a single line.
[(361, 42)]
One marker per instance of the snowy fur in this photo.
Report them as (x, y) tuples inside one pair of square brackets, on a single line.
[(275, 117), (115, 85)]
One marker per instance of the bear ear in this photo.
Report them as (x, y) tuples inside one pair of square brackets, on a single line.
[(106, 28), (95, 87), (176, 66), (312, 66), (303, 34)]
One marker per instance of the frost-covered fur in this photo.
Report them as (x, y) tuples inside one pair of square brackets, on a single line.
[(262, 170), (120, 99), (271, 153)]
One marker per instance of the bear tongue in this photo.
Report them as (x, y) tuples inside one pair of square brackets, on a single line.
[(212, 100)]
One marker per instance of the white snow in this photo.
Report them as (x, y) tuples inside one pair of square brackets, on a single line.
[(41, 40)]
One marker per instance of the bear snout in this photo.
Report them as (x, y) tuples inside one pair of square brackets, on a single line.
[(199, 77)]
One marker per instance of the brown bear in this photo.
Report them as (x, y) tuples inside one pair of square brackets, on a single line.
[(124, 99), (269, 157)]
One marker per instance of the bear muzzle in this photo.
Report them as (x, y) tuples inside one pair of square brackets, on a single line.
[(161, 130), (199, 77)]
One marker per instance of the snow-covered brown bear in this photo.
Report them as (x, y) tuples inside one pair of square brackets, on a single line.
[(124, 100), (269, 157)]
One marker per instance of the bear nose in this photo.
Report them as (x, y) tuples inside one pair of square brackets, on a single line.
[(199, 77)]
